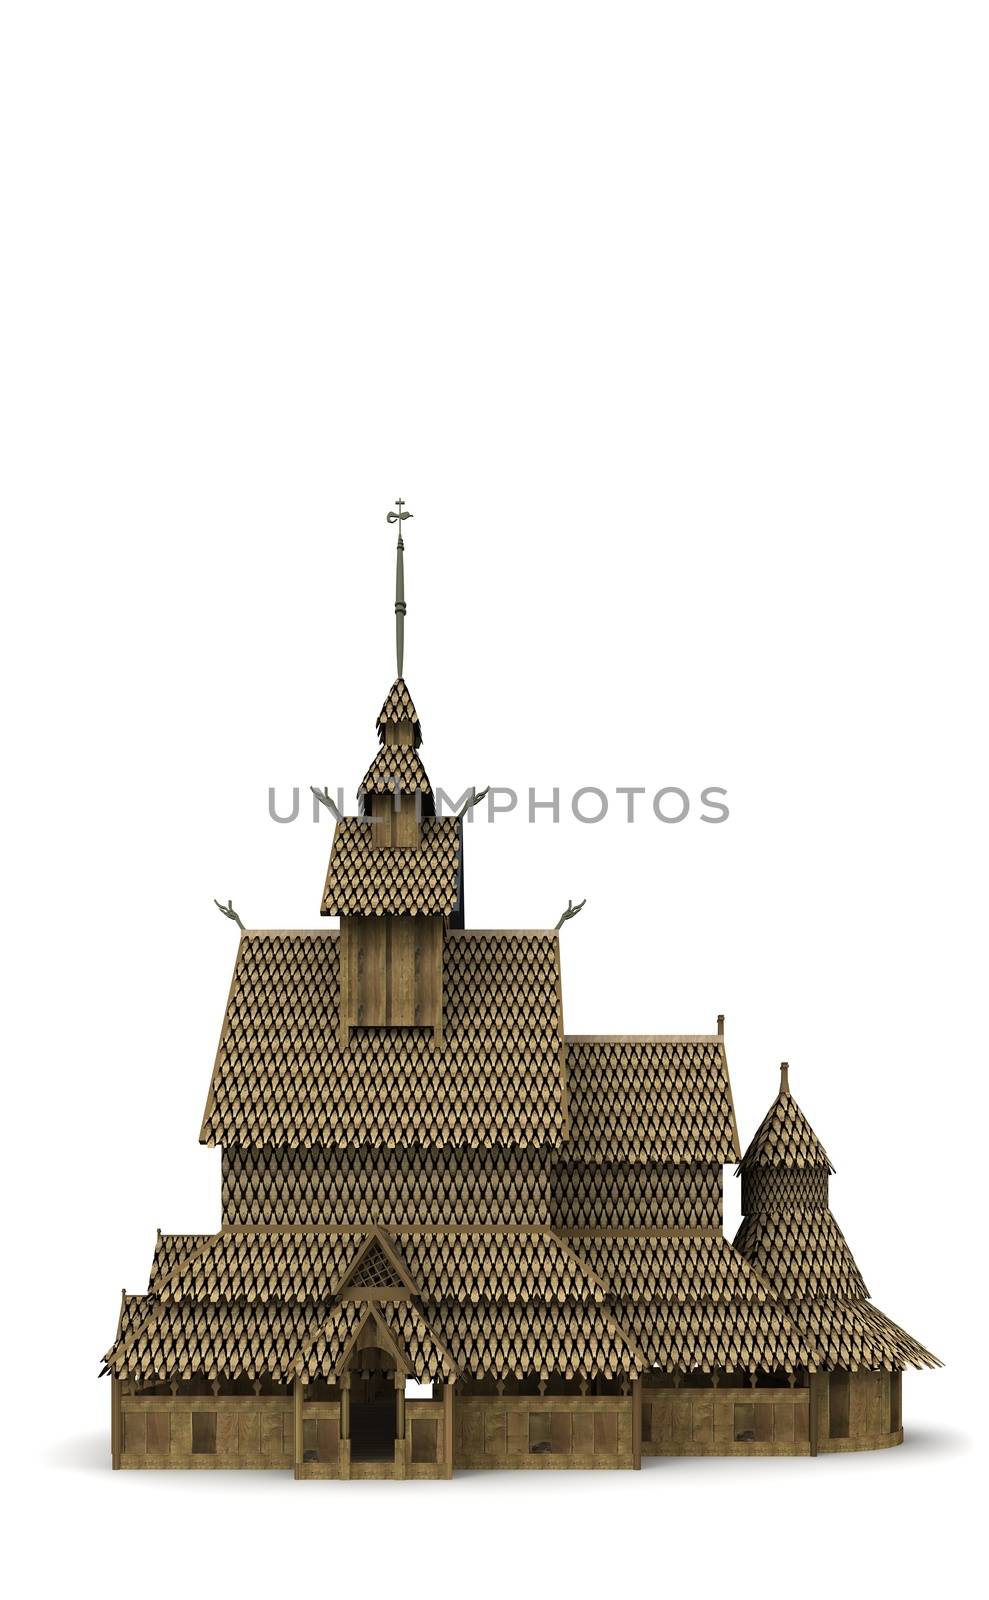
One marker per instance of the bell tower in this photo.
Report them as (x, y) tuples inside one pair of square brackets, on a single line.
[(395, 873)]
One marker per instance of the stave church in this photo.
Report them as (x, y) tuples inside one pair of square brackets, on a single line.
[(455, 1237)]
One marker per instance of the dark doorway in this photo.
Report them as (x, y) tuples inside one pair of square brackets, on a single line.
[(373, 1416)]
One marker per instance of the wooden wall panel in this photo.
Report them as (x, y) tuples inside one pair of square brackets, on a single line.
[(544, 1432), (231, 1432), (725, 1422)]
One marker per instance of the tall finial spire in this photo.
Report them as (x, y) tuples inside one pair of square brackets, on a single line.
[(400, 516)]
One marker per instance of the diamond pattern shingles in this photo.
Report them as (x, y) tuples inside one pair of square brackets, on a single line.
[(417, 881), (852, 1336), (214, 1341), (791, 1238), (710, 1334), (253, 1267), (170, 1250), (650, 1100), (428, 1360), (434, 1188), (499, 1341), (677, 1270), (625, 1194), (281, 1077), (507, 1267), (396, 769), (802, 1254), (785, 1139), (398, 708)]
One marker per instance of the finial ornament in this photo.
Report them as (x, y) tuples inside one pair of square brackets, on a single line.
[(785, 1077), (228, 911), (571, 911), (399, 516)]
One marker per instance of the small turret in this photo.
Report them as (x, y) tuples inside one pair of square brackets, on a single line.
[(790, 1237)]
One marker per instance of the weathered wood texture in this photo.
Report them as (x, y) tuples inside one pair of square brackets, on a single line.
[(391, 973), (544, 1432), (860, 1411), (321, 1442), (425, 1443), (198, 1433), (725, 1422)]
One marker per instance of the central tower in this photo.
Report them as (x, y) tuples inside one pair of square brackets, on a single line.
[(394, 878)]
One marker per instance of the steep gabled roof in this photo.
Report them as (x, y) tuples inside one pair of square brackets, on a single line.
[(282, 1078), (419, 881), (785, 1139), (398, 708), (649, 1099)]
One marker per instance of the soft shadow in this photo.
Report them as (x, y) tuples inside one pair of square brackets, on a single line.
[(83, 1452), (935, 1442)]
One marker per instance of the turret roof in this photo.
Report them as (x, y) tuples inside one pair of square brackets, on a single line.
[(398, 708), (785, 1138)]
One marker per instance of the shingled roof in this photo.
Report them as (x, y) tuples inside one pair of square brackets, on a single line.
[(282, 1078), (364, 880), (650, 1099), (853, 1336), (396, 769), (264, 1302), (803, 1254), (398, 708), (790, 1237), (785, 1139), (571, 1339), (692, 1303)]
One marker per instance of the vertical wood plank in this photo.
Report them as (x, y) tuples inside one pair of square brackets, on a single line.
[(637, 1423), (298, 1444)]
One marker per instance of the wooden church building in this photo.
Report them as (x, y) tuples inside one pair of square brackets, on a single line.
[(454, 1236)]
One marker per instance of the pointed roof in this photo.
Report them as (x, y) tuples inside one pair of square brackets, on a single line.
[(398, 708), (785, 1138), (396, 766)]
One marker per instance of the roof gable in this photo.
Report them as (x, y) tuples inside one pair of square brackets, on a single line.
[(282, 1078), (649, 1099)]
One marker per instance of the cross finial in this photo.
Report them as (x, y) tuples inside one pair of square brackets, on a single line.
[(400, 516)]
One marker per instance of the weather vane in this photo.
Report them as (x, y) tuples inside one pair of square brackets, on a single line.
[(400, 516)]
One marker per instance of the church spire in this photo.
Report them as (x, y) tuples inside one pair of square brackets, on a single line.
[(400, 516)]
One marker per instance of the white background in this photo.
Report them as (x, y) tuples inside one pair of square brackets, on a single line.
[(669, 322)]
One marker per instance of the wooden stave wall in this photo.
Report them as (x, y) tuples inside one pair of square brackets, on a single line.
[(606, 1424)]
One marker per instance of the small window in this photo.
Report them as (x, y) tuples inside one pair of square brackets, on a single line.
[(839, 1405), (540, 1440), (204, 1433), (744, 1422)]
